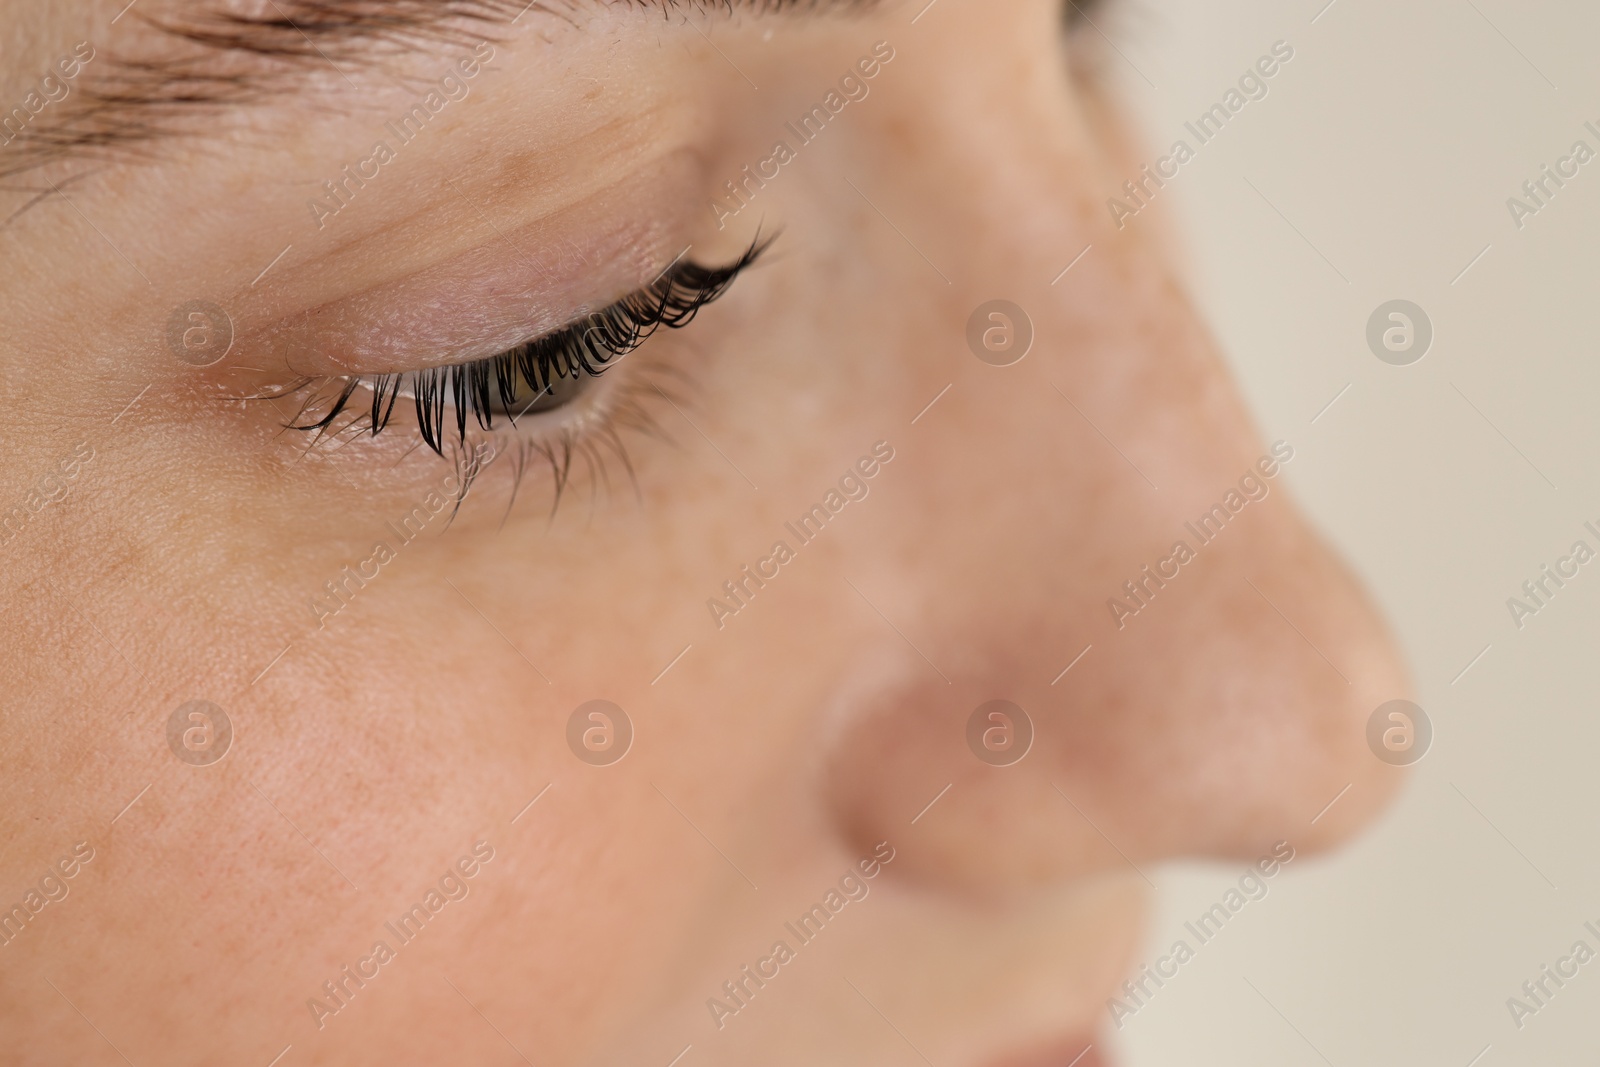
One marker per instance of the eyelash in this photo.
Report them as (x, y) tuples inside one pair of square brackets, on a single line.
[(584, 348)]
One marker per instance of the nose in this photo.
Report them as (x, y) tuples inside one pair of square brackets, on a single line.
[(1092, 535)]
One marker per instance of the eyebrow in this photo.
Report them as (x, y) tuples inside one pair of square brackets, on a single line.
[(218, 58)]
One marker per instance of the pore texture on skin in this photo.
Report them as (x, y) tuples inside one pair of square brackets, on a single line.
[(598, 533)]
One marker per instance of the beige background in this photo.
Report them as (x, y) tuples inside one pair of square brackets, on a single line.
[(1391, 143)]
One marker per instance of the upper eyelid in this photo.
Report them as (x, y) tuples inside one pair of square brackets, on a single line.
[(376, 299), (677, 293)]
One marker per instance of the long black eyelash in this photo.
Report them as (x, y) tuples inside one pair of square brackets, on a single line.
[(586, 347)]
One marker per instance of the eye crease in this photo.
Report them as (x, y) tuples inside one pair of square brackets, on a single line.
[(540, 375)]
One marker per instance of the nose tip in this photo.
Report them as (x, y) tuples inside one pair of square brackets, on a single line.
[(1282, 662), (1229, 716)]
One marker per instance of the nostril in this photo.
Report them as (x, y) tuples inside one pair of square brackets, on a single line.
[(964, 781)]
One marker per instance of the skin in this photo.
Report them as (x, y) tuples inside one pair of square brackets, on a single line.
[(373, 747)]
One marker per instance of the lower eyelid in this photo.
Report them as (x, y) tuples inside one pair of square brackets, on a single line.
[(587, 449)]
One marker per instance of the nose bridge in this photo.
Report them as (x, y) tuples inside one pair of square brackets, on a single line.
[(979, 122), (1001, 201), (1227, 700)]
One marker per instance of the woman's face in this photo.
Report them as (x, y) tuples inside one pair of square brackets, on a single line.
[(801, 542)]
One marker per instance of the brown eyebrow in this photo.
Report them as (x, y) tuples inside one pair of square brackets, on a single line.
[(218, 58)]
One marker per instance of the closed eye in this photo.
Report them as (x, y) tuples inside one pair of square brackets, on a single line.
[(540, 375)]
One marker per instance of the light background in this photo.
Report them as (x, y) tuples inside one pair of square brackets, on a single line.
[(1390, 144)]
